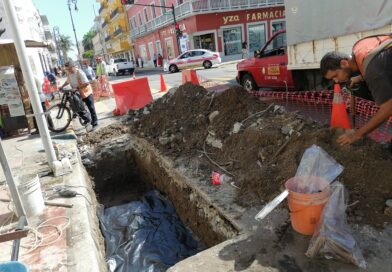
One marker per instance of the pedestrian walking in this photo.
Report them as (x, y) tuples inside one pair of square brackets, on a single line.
[(155, 59), (78, 80), (102, 76), (88, 70), (372, 58), (244, 50), (160, 60)]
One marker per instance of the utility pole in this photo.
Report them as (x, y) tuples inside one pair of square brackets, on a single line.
[(74, 2), (20, 47)]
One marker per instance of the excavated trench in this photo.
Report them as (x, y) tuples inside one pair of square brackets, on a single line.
[(125, 168)]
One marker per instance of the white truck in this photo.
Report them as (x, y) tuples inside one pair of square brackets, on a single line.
[(317, 27), (291, 58), (120, 66)]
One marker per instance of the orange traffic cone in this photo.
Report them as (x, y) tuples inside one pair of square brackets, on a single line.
[(339, 117), (163, 84)]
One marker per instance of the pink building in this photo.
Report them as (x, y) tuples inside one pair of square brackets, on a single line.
[(217, 25)]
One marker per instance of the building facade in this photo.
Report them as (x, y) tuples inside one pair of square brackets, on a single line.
[(98, 41), (115, 29), (217, 25), (32, 27)]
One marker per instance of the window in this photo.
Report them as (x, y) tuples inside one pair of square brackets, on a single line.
[(153, 13), (163, 3), (145, 15), (232, 40), (185, 55), (140, 19), (256, 36), (276, 46), (198, 53), (179, 2), (134, 22), (278, 25)]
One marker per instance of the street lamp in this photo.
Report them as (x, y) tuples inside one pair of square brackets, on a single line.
[(56, 35), (74, 2)]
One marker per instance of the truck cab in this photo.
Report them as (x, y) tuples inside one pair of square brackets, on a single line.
[(268, 67)]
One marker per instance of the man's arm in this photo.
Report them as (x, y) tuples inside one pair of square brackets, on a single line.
[(382, 115), (92, 73), (65, 84)]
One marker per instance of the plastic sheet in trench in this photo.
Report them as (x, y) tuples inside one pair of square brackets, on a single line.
[(145, 235)]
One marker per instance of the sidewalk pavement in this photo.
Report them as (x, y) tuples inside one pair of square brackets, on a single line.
[(60, 239)]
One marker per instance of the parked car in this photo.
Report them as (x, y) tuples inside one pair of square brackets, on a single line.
[(193, 58), (120, 66)]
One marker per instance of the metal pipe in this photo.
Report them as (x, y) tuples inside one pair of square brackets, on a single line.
[(15, 245), (10, 179), (9, 10), (73, 25)]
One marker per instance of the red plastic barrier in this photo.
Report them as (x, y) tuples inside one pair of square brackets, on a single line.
[(132, 94)]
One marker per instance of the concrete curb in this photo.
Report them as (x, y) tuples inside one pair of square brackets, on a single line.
[(85, 241)]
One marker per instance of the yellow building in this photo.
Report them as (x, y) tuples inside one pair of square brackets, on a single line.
[(115, 29)]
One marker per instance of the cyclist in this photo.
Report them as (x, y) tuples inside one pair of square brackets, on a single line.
[(79, 81)]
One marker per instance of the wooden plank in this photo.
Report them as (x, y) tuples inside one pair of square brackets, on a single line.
[(13, 235)]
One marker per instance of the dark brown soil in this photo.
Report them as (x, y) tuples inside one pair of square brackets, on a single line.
[(178, 124), (103, 134)]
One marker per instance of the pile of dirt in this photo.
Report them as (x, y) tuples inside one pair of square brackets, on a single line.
[(264, 151), (92, 139)]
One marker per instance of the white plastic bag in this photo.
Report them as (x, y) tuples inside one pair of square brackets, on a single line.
[(316, 162), (333, 238)]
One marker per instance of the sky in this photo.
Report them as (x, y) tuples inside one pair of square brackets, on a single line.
[(58, 15)]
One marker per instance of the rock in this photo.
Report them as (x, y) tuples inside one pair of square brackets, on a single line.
[(388, 211), (164, 140), (172, 91), (287, 130), (261, 156), (212, 141), (213, 116), (388, 203), (279, 109), (146, 111), (236, 127)]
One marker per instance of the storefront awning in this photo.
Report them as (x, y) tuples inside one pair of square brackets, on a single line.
[(28, 43)]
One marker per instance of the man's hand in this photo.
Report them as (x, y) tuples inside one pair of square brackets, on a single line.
[(349, 137), (355, 80)]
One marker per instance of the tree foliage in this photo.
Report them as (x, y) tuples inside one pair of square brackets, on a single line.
[(89, 54), (65, 44), (88, 40)]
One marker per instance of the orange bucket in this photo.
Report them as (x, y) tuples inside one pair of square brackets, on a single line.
[(306, 209)]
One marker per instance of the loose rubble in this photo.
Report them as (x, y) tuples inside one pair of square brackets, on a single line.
[(260, 146)]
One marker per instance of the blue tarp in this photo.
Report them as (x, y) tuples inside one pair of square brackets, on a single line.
[(145, 235)]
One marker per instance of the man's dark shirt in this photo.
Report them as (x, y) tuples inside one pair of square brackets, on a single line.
[(379, 76)]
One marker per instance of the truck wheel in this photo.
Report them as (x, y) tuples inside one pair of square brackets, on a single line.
[(173, 68), (207, 64), (248, 83)]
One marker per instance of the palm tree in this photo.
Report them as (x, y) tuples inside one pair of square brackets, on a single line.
[(65, 45), (88, 40)]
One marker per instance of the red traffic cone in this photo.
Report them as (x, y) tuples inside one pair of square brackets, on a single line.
[(339, 117), (163, 84)]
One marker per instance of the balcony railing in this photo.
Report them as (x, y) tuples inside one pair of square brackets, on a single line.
[(117, 31), (107, 38), (104, 23), (101, 9), (114, 13), (194, 7)]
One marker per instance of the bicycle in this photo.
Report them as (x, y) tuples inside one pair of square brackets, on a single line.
[(71, 106)]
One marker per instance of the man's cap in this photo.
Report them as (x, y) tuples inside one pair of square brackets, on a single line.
[(70, 63)]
